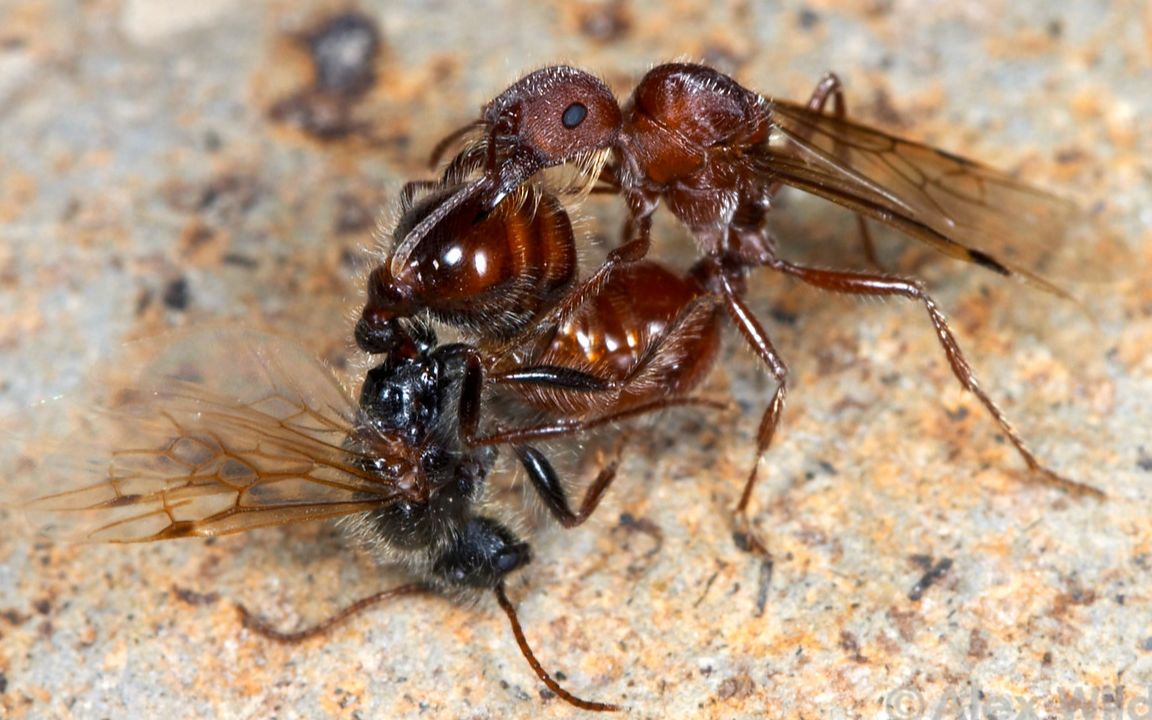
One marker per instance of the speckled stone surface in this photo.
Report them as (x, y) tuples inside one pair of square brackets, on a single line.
[(165, 166)]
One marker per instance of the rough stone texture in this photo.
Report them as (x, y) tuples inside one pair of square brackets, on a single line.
[(146, 183)]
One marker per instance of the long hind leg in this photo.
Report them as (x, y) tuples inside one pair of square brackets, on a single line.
[(857, 283), (757, 339), (831, 88)]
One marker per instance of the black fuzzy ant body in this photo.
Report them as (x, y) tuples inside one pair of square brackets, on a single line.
[(428, 396), (437, 530)]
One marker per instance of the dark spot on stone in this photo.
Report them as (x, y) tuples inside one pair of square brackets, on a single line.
[(884, 110), (353, 215), (977, 644), (344, 49), (782, 316), (212, 141), (1055, 28), (42, 606), (905, 622), (14, 617), (808, 18), (605, 22), (851, 645), (1143, 459), (352, 259), (1046, 659), (191, 597), (921, 560), (3, 683), (240, 261), (929, 578), (143, 302), (1068, 156), (1074, 595), (737, 686), (325, 117), (176, 295), (1147, 645)]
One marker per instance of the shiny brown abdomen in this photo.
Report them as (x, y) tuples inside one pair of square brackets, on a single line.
[(651, 331)]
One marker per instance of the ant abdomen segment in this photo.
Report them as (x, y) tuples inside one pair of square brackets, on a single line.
[(489, 273)]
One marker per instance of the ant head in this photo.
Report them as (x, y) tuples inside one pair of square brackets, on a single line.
[(482, 555), (548, 117)]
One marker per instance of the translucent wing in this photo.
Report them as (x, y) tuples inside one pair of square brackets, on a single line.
[(961, 208), (223, 431)]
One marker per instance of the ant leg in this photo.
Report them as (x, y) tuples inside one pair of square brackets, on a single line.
[(567, 426), (830, 87), (526, 651), (473, 381), (756, 337), (855, 283), (547, 483), (260, 627), (554, 376)]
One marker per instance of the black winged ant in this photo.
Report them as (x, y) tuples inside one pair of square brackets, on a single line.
[(233, 430)]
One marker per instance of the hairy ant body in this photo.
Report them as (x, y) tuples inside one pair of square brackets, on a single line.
[(716, 154)]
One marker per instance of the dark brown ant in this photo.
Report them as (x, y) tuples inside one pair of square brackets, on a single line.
[(717, 153), (235, 430)]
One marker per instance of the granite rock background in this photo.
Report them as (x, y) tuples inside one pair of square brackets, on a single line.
[(168, 167)]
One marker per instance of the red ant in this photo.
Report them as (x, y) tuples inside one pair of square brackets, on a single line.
[(717, 153)]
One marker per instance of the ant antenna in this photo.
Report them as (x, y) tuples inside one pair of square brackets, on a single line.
[(261, 627), (541, 673)]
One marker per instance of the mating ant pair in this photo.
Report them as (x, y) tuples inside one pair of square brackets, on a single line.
[(489, 251)]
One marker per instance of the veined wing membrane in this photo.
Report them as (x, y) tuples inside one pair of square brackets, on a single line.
[(223, 432), (961, 208)]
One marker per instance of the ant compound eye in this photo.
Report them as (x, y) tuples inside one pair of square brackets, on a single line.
[(573, 115)]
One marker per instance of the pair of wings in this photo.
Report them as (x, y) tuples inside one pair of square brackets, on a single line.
[(961, 208), (221, 432)]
